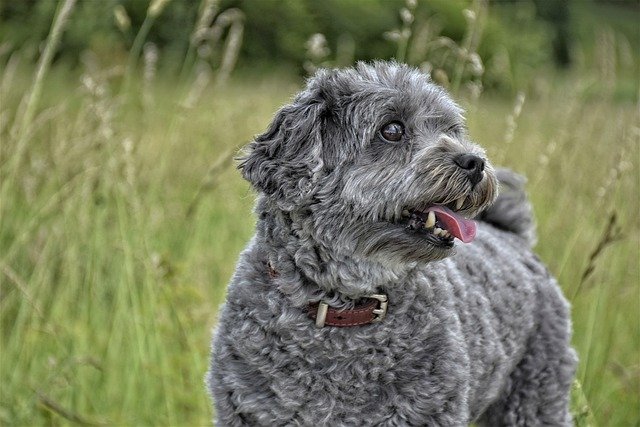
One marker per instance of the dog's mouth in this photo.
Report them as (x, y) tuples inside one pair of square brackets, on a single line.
[(440, 224)]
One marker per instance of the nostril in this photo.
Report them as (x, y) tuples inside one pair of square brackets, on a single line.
[(469, 162), (472, 165)]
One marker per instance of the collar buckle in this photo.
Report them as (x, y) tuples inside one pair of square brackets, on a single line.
[(381, 311)]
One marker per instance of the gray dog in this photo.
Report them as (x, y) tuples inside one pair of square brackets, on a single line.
[(361, 299)]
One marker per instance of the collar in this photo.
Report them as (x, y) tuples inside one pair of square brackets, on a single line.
[(371, 309)]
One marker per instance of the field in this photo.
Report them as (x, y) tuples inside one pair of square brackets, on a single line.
[(122, 215)]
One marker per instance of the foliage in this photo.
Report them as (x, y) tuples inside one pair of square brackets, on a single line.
[(516, 37)]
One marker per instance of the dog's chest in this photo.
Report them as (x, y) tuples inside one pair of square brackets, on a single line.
[(424, 351), (375, 369)]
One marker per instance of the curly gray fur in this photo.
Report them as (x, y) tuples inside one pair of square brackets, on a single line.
[(476, 333)]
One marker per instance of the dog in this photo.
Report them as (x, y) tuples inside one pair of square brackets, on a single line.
[(369, 295)]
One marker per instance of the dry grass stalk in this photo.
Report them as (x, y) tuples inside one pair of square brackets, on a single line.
[(512, 124), (402, 35), (22, 286), (30, 102), (317, 52), (55, 407), (582, 412), (611, 234), (122, 18), (467, 53), (199, 36), (210, 180), (203, 77), (234, 19), (208, 11), (150, 53), (205, 40), (155, 9), (9, 73)]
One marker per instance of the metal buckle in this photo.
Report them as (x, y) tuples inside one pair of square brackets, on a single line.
[(321, 316), (382, 310)]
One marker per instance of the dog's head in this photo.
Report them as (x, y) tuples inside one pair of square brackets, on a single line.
[(377, 160)]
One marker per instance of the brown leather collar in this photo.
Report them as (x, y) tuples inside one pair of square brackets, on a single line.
[(372, 309)]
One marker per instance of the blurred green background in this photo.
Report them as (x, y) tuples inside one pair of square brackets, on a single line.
[(122, 215), (517, 37)]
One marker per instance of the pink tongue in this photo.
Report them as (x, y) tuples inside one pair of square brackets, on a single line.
[(462, 228)]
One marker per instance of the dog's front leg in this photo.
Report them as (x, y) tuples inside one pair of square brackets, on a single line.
[(433, 380), (238, 390)]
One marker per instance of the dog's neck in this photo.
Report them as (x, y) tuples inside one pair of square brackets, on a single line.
[(310, 271)]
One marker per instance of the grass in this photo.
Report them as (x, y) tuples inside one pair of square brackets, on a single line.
[(581, 159), (121, 218), (117, 242), (109, 283)]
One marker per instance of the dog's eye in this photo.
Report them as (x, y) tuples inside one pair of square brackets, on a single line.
[(392, 132), (455, 129)]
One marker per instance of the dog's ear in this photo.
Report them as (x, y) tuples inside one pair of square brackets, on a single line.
[(284, 162)]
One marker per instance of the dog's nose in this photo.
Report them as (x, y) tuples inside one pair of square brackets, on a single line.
[(472, 165)]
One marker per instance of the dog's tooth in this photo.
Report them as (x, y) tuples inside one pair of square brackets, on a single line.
[(445, 233), (459, 203), (431, 220), (405, 212), (437, 231)]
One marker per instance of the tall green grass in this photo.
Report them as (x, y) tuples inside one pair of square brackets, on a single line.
[(122, 217), (123, 224), (116, 248)]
